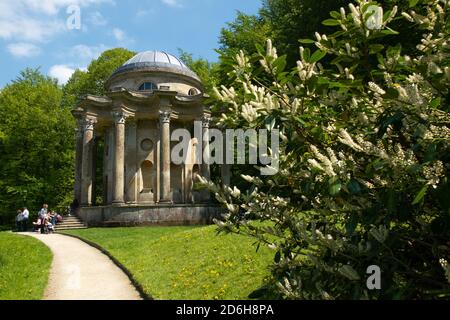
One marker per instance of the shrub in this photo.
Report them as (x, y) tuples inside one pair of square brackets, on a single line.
[(364, 158)]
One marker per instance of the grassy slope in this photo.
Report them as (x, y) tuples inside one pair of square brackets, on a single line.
[(186, 262), (24, 267)]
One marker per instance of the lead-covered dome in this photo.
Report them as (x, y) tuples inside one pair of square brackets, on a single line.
[(158, 61)]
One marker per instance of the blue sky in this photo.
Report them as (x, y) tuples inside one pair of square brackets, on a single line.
[(35, 33)]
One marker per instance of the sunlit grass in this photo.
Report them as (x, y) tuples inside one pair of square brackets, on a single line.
[(186, 262), (24, 267)]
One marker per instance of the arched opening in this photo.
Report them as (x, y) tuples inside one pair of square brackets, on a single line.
[(147, 177), (176, 183), (193, 92)]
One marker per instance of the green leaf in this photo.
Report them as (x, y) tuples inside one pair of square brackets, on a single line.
[(354, 187), (335, 15), (389, 31), (420, 195), (348, 272), (280, 63), (260, 49), (307, 54), (331, 22), (413, 3), (335, 186), (375, 48), (306, 41), (435, 103), (317, 56), (391, 93)]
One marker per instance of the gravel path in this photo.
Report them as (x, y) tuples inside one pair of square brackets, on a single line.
[(81, 272)]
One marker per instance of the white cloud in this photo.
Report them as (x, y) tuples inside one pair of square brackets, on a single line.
[(97, 19), (23, 49), (86, 53), (37, 20), (52, 7), (144, 12), (61, 72), (173, 3), (119, 34)]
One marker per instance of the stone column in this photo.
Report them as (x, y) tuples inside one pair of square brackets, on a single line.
[(164, 118), (131, 188), (119, 158), (205, 171), (94, 169), (78, 161), (86, 167)]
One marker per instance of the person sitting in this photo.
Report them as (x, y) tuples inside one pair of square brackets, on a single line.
[(37, 225), (50, 227), (44, 222), (52, 217), (59, 218)]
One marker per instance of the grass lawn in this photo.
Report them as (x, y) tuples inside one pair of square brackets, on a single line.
[(24, 267), (186, 262)]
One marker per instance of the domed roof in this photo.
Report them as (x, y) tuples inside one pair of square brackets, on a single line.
[(156, 61)]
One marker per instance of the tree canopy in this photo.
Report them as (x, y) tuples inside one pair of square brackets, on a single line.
[(37, 133), (93, 80), (36, 145), (364, 158)]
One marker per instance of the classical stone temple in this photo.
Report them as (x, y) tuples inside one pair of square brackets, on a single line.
[(147, 98)]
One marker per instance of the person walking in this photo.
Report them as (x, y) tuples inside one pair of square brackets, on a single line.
[(25, 217), (43, 216)]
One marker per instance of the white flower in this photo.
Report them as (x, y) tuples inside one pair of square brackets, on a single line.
[(407, 17), (375, 88)]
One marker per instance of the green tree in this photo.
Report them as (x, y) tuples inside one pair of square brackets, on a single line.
[(36, 145), (93, 80), (364, 160), (207, 71), (291, 20)]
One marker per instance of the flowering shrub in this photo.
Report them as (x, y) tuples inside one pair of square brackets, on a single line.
[(364, 165)]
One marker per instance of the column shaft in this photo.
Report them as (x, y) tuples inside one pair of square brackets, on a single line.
[(86, 170), (205, 167), (165, 157), (78, 163), (94, 170), (119, 159)]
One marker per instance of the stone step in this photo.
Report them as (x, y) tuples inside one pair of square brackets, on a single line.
[(71, 218), (69, 222), (70, 228)]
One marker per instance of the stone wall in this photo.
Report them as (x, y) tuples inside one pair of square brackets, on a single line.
[(110, 216)]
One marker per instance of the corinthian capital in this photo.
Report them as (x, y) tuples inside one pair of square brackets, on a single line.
[(164, 116), (89, 124), (119, 117)]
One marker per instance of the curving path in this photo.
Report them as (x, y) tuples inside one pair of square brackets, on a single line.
[(81, 272)]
